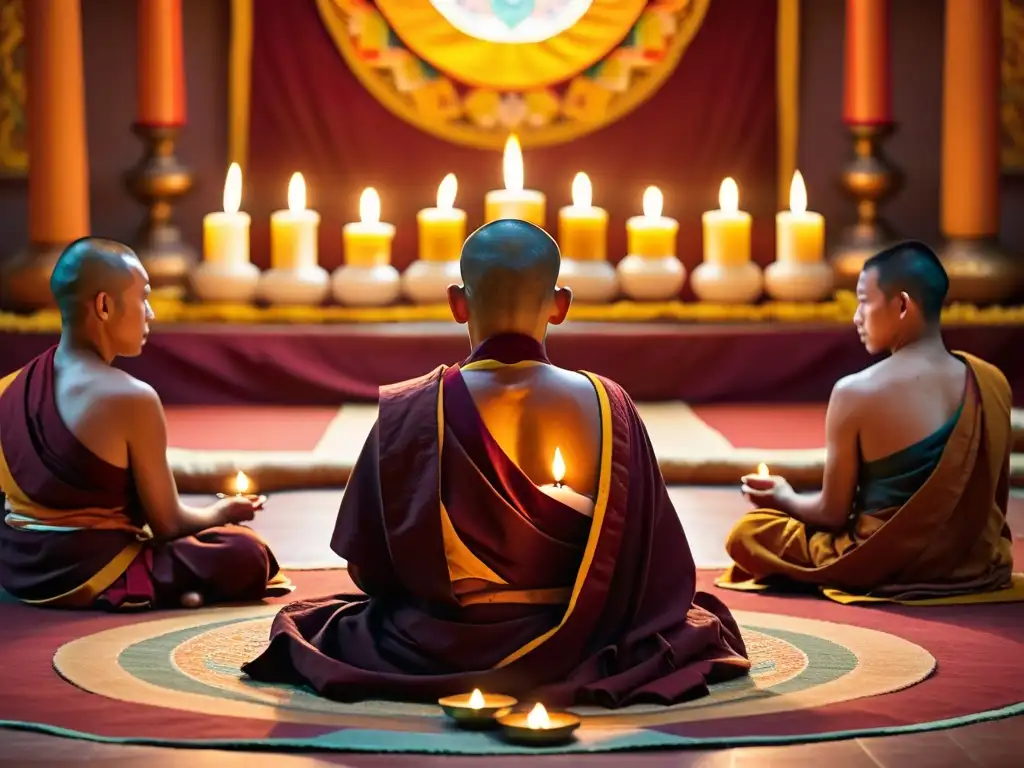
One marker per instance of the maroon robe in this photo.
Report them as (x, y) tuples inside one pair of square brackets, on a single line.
[(74, 534), (629, 627)]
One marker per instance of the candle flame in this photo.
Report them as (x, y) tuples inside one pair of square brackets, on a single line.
[(369, 206), (446, 192), (241, 482), (476, 699), (233, 189), (558, 467), (582, 191), (762, 470), (297, 193), (654, 201), (798, 194), (729, 196), (512, 164), (538, 717)]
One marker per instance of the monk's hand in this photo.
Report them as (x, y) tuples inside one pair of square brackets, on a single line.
[(237, 509), (767, 492)]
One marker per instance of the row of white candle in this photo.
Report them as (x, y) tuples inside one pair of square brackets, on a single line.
[(582, 230)]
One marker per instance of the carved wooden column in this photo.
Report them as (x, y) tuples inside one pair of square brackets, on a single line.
[(58, 173), (979, 271)]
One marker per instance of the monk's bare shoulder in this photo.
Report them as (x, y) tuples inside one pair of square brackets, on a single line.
[(126, 401)]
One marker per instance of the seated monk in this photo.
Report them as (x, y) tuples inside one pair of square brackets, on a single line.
[(92, 514), (916, 484), (480, 568)]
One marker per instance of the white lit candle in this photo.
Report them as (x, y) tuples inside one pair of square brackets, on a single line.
[(563, 493), (242, 483), (582, 226), (442, 229), (226, 233), (799, 233), (652, 235), (727, 230), (514, 202), (293, 233)]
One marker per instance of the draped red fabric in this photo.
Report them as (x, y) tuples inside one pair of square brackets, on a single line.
[(715, 116)]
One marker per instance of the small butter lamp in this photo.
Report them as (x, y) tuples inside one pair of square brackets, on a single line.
[(538, 727), (562, 492), (763, 473), (243, 487), (476, 709)]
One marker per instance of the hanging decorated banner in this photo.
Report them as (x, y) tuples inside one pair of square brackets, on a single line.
[(471, 71)]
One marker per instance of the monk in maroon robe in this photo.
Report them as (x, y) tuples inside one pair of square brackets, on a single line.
[(92, 517), (510, 527)]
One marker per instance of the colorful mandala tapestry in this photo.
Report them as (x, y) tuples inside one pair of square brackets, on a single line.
[(471, 71)]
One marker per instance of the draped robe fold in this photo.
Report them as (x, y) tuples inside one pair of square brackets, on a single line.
[(949, 543), (475, 578), (74, 534)]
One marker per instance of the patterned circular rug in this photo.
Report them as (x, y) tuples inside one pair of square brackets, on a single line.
[(192, 662)]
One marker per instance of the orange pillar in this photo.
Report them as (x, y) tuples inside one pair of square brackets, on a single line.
[(970, 119), (978, 269), (58, 174)]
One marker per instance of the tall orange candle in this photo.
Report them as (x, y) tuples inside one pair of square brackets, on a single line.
[(161, 76), (867, 96)]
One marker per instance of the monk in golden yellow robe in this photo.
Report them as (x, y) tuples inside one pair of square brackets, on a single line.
[(916, 486)]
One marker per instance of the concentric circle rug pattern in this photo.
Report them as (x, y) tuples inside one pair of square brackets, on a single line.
[(192, 662), (821, 671)]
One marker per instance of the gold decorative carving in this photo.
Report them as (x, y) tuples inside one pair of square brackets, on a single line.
[(1013, 86), (13, 136)]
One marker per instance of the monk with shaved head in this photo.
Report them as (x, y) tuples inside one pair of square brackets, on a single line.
[(510, 528), (916, 485), (92, 514)]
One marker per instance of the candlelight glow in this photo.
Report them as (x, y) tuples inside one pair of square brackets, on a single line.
[(558, 467), (233, 189), (369, 206), (654, 201), (729, 196), (798, 194), (582, 191), (476, 699), (241, 483), (762, 470), (538, 718), (446, 192), (297, 193), (512, 164)]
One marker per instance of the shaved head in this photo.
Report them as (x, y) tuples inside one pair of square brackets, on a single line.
[(510, 269), (88, 267)]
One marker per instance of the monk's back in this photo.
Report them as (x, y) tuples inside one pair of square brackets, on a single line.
[(907, 398), (530, 411), (92, 400)]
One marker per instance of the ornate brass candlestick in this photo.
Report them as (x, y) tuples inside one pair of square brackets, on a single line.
[(869, 179), (157, 182)]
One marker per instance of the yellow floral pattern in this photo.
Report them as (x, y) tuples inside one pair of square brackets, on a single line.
[(464, 90), (13, 149), (840, 311)]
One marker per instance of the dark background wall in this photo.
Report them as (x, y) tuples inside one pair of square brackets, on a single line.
[(109, 42)]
